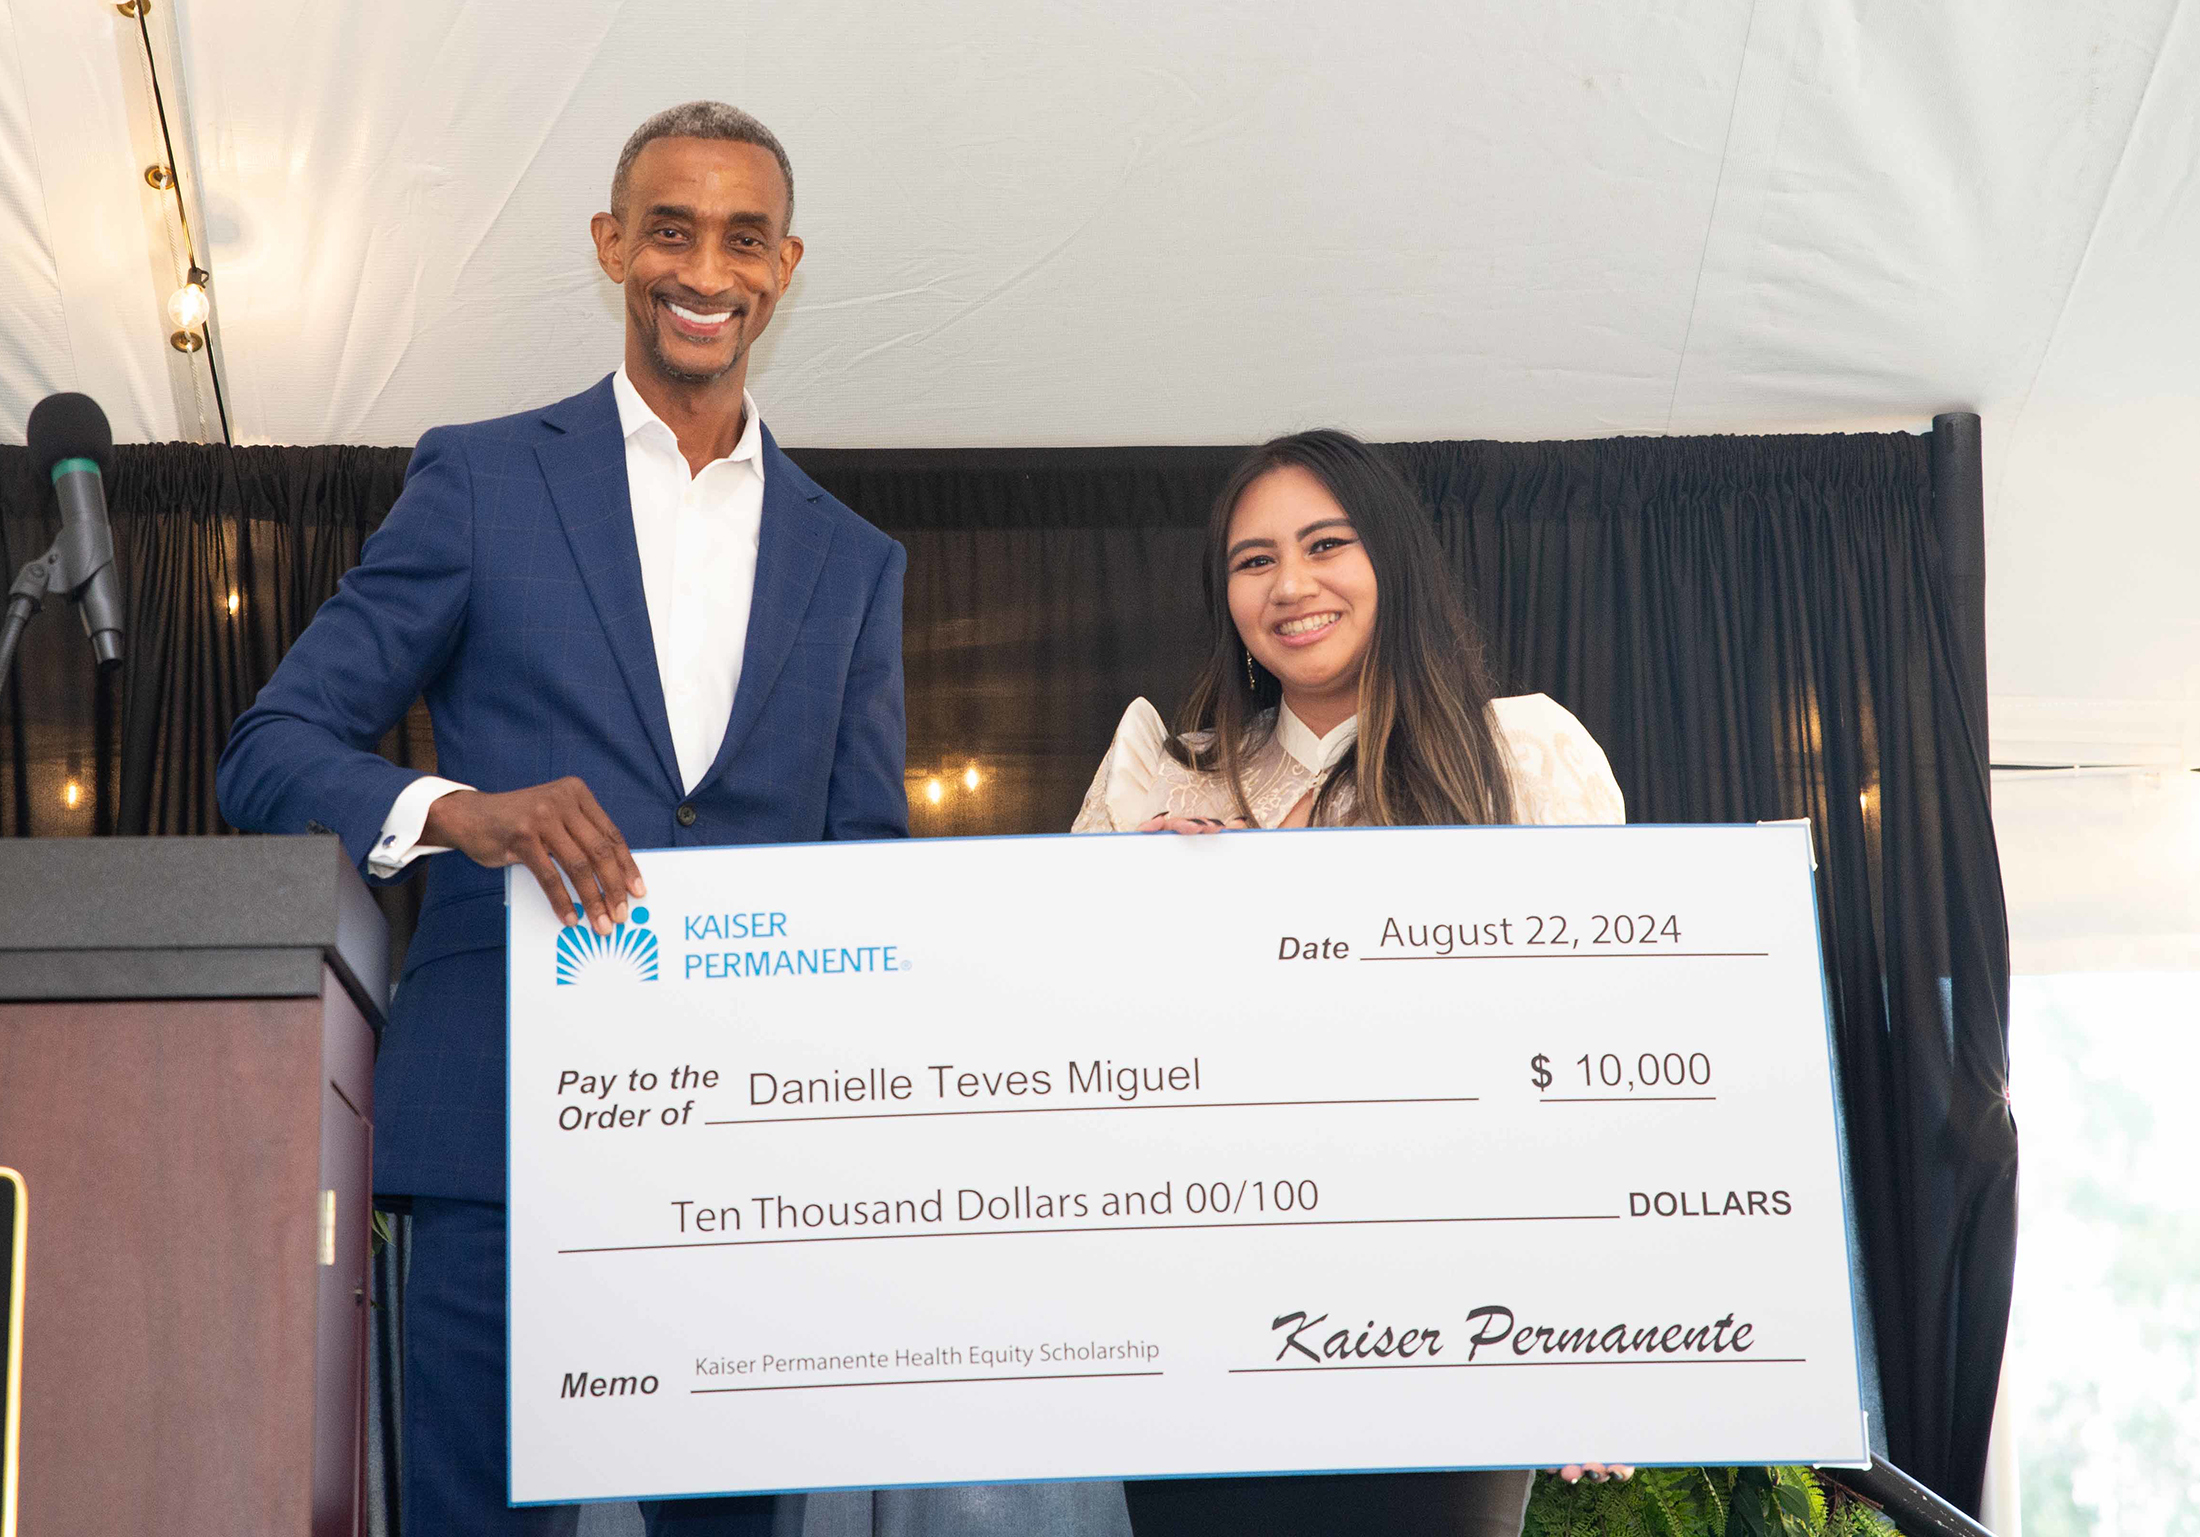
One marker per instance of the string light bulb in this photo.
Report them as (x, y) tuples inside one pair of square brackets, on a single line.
[(234, 600), (72, 795), (970, 777), (188, 306), (933, 790)]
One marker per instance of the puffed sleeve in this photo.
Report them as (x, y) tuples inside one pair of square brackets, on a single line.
[(1560, 775), (1127, 788)]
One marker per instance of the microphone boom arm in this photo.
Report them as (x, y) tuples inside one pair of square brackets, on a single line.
[(25, 598), (83, 549), (27, 595)]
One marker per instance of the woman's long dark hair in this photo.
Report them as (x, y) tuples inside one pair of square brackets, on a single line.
[(1428, 751)]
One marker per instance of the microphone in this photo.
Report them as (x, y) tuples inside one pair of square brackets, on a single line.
[(71, 443)]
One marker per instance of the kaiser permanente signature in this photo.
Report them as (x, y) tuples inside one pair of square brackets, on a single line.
[(1498, 1330)]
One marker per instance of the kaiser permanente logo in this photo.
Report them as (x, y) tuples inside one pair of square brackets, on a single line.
[(627, 954), (716, 947), (742, 946)]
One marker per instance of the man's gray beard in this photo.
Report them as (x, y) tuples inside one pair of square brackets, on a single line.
[(665, 368)]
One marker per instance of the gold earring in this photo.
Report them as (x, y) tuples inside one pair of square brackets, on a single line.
[(1252, 684)]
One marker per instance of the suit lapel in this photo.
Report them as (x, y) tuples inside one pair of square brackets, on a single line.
[(585, 468), (790, 553)]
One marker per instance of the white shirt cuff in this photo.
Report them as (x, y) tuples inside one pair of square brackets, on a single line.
[(399, 844)]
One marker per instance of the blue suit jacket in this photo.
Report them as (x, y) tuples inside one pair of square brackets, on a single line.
[(506, 586)]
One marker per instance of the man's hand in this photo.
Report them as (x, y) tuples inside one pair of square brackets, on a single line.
[(544, 828)]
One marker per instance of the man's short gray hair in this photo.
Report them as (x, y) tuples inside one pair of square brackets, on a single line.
[(701, 120)]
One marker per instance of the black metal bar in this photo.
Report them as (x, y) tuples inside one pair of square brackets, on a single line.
[(1959, 507), (1914, 1509)]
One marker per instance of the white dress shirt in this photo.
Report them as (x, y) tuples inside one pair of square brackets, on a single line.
[(1559, 773), (697, 536)]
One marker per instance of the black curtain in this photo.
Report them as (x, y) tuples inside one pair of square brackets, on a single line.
[(1753, 627), (225, 553)]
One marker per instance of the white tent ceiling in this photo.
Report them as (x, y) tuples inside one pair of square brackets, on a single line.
[(1151, 222)]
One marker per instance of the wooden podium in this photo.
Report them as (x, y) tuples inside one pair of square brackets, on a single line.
[(186, 1078)]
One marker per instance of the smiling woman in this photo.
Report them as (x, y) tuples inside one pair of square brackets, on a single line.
[(1301, 591), (1303, 537), (1344, 681)]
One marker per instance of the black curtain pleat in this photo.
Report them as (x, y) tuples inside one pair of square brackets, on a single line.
[(1752, 627)]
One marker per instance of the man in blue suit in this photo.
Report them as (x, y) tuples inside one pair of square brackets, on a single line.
[(634, 619)]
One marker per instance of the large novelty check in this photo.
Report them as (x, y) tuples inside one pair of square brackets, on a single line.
[(1035, 1158)]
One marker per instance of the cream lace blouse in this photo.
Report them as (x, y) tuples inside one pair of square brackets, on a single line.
[(1560, 775)]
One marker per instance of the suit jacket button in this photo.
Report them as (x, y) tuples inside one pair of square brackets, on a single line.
[(686, 814)]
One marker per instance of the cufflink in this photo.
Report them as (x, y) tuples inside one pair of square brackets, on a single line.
[(390, 839)]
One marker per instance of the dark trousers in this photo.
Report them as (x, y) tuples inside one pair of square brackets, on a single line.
[(1363, 1504), (455, 1458)]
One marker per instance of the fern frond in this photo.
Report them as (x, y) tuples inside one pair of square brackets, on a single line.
[(1718, 1493), (1559, 1509), (1668, 1504), (1800, 1498), (1542, 1519)]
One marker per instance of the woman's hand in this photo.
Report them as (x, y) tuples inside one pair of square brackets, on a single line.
[(1598, 1471), (1165, 822)]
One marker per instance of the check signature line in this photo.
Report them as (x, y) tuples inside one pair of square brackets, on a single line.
[(1032, 1232), (921, 1382), (1227, 1104), (1451, 1366), (1583, 955)]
